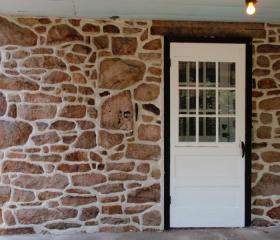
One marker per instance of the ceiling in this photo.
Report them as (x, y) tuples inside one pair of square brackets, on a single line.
[(204, 10)]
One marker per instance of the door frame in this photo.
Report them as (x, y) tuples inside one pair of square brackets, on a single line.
[(248, 115)]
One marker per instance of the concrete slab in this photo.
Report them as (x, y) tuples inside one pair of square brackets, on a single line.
[(271, 233)]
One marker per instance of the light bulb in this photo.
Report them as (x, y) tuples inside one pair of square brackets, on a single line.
[(250, 8)]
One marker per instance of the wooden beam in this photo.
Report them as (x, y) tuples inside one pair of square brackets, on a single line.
[(208, 29)]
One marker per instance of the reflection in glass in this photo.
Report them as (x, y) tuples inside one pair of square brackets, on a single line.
[(207, 74), (187, 103), (207, 101), (226, 129), (207, 129), (187, 129), (187, 74), (226, 101), (226, 74)]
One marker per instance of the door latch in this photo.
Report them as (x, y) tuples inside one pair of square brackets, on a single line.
[(243, 148)]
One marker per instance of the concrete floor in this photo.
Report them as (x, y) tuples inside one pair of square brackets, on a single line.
[(271, 233)]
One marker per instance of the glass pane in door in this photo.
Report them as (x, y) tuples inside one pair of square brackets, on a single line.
[(227, 129), (187, 74), (207, 129), (187, 129), (226, 74), (227, 101), (187, 101), (207, 74), (207, 101)]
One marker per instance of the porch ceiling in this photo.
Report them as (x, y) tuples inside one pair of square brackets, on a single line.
[(203, 10)]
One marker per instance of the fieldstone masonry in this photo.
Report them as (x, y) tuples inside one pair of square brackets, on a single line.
[(81, 134)]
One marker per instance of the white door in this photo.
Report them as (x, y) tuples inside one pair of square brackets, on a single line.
[(207, 127)]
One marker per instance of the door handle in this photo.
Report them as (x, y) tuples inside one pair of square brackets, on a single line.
[(243, 148)]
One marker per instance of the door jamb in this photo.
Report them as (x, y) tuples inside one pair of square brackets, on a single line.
[(248, 118)]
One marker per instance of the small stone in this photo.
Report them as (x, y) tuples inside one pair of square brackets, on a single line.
[(149, 132), (111, 210), (43, 196), (143, 151), (156, 173), (73, 111), (12, 112), (152, 218), (124, 45), (108, 140), (74, 58), (263, 61), (109, 28), (44, 62), (70, 168), (145, 194), (45, 158), (266, 118), (110, 188), (136, 209), (82, 49), (3, 104), (89, 213), (146, 92), (46, 138), (264, 132), (9, 218), (63, 125), (151, 108), (57, 77), (84, 125), (114, 221), (77, 200), (23, 196), (270, 104), (89, 179), (14, 133), (267, 83), (5, 194), (124, 167), (274, 213), (271, 156), (101, 42), (90, 28), (86, 140), (36, 112), (263, 202), (77, 156), (153, 45), (62, 225), (62, 33), (143, 168)]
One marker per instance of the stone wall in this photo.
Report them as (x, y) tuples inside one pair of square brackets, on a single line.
[(80, 126), (266, 129), (81, 115)]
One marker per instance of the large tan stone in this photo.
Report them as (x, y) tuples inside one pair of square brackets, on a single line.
[(143, 151), (145, 194), (21, 167), (35, 112), (45, 62), (17, 83), (41, 215), (108, 140), (14, 133), (116, 73), (13, 34), (268, 185), (56, 181), (270, 103), (146, 92), (63, 33), (117, 112)]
